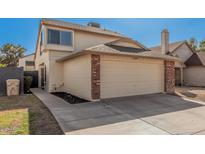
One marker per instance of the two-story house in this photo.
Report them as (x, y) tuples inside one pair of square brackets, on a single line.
[(94, 63)]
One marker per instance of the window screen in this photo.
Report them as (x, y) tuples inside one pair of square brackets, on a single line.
[(53, 36), (59, 37)]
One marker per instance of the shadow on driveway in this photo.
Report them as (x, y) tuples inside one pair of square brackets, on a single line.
[(151, 105), (145, 114), (122, 115)]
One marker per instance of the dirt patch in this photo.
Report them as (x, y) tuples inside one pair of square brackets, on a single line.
[(189, 94), (41, 121), (69, 98), (195, 93)]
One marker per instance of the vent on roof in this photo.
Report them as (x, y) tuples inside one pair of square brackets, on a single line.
[(94, 24)]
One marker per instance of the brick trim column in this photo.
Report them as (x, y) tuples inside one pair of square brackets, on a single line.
[(169, 76), (95, 76)]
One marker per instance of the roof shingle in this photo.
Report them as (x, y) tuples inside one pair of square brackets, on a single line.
[(172, 46), (105, 49)]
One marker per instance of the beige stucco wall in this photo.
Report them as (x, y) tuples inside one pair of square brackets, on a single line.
[(126, 76), (179, 64), (194, 76), (39, 61), (184, 52), (56, 70), (77, 76), (23, 60), (83, 40)]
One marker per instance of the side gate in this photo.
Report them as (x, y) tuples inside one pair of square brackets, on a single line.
[(34, 75)]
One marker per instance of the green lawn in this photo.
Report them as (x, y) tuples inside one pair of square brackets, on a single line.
[(13, 122), (26, 115)]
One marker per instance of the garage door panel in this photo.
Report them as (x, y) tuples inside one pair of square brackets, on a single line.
[(132, 90), (124, 78)]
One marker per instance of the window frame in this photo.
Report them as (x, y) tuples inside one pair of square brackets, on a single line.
[(28, 63), (60, 30)]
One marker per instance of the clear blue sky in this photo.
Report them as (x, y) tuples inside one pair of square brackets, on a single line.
[(147, 31)]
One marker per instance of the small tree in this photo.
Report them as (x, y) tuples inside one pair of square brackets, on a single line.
[(10, 54), (193, 43), (202, 45)]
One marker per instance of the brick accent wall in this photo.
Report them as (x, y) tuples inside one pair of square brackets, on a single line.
[(169, 76), (95, 76)]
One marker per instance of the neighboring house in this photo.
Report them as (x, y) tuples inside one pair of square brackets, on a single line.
[(27, 62), (94, 63), (181, 50), (194, 74)]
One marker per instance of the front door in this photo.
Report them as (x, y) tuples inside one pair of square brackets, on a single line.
[(177, 77)]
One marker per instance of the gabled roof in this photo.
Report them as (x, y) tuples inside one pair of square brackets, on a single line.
[(197, 59), (128, 40), (106, 49), (63, 24), (201, 56), (126, 49), (172, 46)]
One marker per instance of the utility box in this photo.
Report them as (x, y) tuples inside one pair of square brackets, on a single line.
[(12, 86)]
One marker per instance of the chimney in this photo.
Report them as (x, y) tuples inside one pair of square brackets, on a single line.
[(165, 41)]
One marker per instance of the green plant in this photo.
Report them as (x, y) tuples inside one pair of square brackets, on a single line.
[(202, 46), (2, 65), (27, 83), (10, 54)]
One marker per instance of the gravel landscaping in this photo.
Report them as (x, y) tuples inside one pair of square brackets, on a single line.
[(70, 98)]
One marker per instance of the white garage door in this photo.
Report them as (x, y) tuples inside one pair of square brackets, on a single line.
[(127, 76)]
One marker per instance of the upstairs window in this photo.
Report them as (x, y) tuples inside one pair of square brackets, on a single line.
[(60, 37), (30, 63)]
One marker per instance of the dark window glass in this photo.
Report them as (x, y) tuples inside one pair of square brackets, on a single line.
[(53, 36), (66, 38), (30, 63), (60, 37)]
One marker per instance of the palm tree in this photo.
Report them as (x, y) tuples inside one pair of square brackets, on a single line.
[(10, 54)]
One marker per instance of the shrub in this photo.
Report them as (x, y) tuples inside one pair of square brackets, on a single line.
[(27, 83), (2, 65)]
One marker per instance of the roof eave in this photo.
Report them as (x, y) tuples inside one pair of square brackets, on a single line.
[(46, 23), (96, 52), (39, 30)]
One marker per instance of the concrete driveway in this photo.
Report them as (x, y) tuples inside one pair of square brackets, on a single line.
[(147, 114)]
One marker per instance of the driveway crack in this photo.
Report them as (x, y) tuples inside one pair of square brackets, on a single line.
[(157, 127)]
